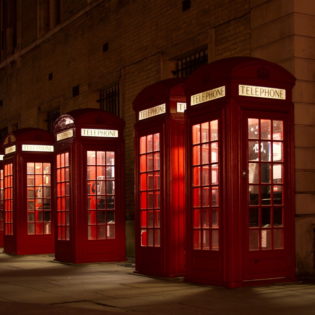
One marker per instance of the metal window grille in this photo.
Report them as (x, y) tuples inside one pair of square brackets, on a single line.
[(109, 99), (188, 63)]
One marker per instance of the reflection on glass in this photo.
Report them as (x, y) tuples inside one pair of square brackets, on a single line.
[(253, 151), (265, 217), (277, 216), (253, 195), (253, 217), (205, 176), (205, 132), (214, 152), (277, 151), (253, 128), (149, 143), (205, 218), (265, 173), (265, 128), (265, 151), (215, 217), (266, 194), (253, 173), (205, 154), (277, 195), (205, 197), (277, 130), (196, 134), (214, 130), (277, 173)]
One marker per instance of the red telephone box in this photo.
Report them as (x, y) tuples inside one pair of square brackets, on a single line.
[(1, 199), (160, 182), (27, 192), (89, 187), (240, 216)]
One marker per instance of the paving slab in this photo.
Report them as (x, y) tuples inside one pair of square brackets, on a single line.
[(39, 285)]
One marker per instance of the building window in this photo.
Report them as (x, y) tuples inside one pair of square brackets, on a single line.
[(109, 99), (188, 63), (186, 4)]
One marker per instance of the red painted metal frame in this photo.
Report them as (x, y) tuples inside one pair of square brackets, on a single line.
[(167, 259), (234, 265), (79, 249), (20, 243), (2, 204)]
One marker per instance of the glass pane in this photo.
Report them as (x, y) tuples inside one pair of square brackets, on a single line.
[(215, 174), (253, 173), (277, 151), (205, 132), (265, 151), (100, 158), (196, 176), (265, 217), (196, 134), (156, 139), (253, 217), (156, 161), (205, 197), (144, 238), (215, 217), (277, 130), (205, 176), (157, 219), (150, 181), (150, 237), (215, 196), (46, 168), (110, 158), (143, 163), (265, 239), (205, 154), (110, 172), (90, 157), (143, 218), (265, 173), (214, 152), (100, 172), (278, 239), (149, 143), (266, 195), (91, 174), (206, 239), (196, 197), (214, 130), (277, 216), (157, 180), (253, 195), (157, 238), (30, 168), (253, 239), (253, 151), (196, 155), (196, 218), (150, 217), (253, 128), (143, 145), (205, 218), (277, 174), (150, 162), (277, 195), (265, 129)]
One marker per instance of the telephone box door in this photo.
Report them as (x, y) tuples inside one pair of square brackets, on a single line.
[(266, 205)]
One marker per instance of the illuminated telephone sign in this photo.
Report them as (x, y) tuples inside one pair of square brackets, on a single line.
[(89, 174), (159, 167), (28, 224), (240, 207)]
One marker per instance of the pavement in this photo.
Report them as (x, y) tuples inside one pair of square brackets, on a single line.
[(40, 285)]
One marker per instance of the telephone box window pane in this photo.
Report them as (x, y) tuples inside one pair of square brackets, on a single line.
[(63, 193), (265, 217), (267, 193), (214, 130), (277, 174), (253, 128), (265, 239), (253, 150), (265, 151), (101, 195), (196, 134), (265, 127), (149, 195), (277, 152), (205, 185), (265, 173), (8, 199), (277, 130), (205, 132), (253, 217), (1, 200), (277, 216)]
